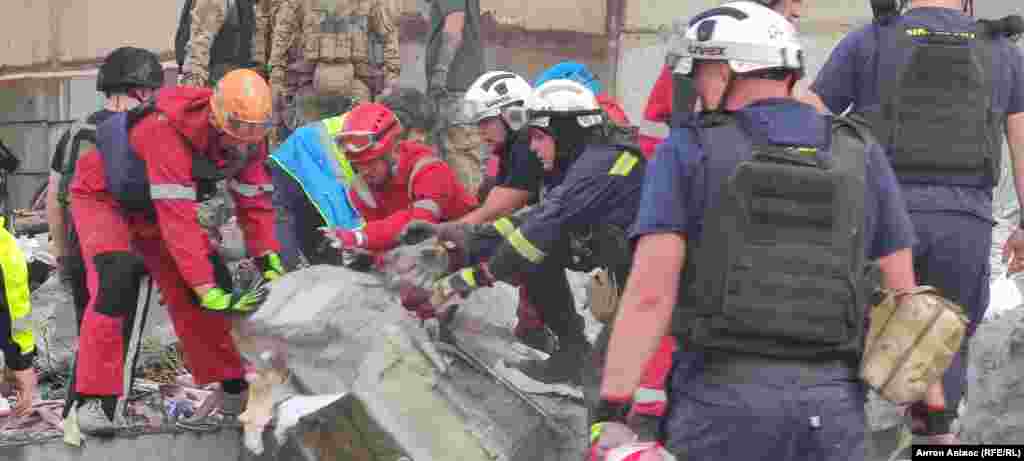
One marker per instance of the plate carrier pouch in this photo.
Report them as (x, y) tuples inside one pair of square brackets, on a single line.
[(911, 344), (936, 116), (780, 268), (127, 179)]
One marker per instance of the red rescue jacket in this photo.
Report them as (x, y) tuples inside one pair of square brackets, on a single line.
[(423, 188), (166, 140)]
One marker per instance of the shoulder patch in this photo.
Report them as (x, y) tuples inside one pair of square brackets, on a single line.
[(624, 164)]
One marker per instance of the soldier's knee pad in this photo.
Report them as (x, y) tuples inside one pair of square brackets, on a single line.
[(119, 275)]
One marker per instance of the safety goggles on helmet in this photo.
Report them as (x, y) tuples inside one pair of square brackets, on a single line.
[(245, 130), (358, 141)]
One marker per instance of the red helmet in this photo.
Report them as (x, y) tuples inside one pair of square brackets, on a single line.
[(369, 132)]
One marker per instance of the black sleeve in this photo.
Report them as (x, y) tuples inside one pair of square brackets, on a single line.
[(57, 161), (521, 169)]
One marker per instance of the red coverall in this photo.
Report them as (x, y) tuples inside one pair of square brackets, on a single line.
[(174, 247), (423, 188)]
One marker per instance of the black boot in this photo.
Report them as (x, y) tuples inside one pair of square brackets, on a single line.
[(566, 364)]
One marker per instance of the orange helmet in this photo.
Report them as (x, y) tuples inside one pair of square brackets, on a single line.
[(370, 132), (242, 105)]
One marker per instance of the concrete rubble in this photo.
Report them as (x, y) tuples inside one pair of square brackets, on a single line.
[(351, 349)]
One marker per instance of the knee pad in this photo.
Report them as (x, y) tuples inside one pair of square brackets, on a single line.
[(119, 276)]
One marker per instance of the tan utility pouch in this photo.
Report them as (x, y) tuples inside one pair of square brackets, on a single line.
[(910, 345), (603, 294)]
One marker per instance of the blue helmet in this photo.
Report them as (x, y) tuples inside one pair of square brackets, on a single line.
[(570, 70)]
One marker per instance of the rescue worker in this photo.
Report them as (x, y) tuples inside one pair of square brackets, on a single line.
[(17, 341), (496, 103), (762, 192), (311, 178), (649, 402), (399, 181), (128, 77), (579, 224), (215, 37), (938, 88), (618, 121), (135, 200), (454, 59)]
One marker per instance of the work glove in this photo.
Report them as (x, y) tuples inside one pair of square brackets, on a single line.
[(462, 283), (610, 429), (270, 266), (343, 239), (242, 301)]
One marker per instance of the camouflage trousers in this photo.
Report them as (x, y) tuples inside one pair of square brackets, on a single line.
[(459, 143)]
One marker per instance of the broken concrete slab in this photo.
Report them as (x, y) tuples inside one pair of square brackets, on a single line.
[(995, 395), (333, 328)]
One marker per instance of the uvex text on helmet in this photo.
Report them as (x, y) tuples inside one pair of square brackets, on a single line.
[(242, 105), (494, 94), (749, 36), (128, 67)]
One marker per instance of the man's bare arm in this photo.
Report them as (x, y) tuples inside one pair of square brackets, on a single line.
[(645, 312), (501, 201)]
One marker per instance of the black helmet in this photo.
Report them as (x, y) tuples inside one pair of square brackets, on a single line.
[(411, 106), (129, 67)]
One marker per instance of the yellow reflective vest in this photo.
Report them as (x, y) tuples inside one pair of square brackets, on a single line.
[(16, 303)]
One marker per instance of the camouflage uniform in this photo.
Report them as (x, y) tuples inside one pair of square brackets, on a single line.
[(354, 45), (326, 46), (208, 18), (448, 78)]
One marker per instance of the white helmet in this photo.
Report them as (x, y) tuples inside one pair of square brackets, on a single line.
[(497, 93), (563, 98), (748, 35)]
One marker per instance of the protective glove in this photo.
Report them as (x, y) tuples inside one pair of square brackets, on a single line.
[(270, 265), (240, 302), (610, 430), (463, 282), (343, 239)]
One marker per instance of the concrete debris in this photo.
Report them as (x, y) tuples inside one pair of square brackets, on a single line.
[(337, 332), (995, 413)]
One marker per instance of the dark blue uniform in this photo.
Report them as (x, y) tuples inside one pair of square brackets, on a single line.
[(730, 406), (954, 222)]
